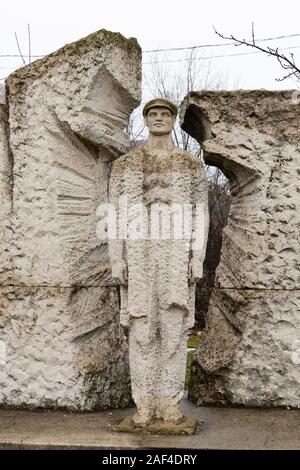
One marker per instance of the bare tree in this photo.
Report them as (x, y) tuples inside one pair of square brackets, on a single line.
[(29, 46), (219, 200), (287, 62), (191, 74), (19, 49), (136, 129), (173, 81)]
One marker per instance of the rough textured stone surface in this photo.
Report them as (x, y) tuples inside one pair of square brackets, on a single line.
[(62, 125), (254, 318), (63, 348)]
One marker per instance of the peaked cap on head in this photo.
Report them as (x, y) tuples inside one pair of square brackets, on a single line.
[(160, 103)]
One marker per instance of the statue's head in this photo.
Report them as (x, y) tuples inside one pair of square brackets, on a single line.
[(160, 116)]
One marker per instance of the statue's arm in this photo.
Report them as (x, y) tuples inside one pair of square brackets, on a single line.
[(116, 245), (200, 222)]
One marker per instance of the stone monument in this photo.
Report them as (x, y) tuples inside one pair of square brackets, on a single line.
[(62, 121), (249, 353), (159, 195)]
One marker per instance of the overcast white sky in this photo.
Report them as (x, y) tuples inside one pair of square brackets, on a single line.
[(159, 24)]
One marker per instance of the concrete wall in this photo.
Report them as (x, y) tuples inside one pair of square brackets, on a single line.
[(250, 354), (63, 123)]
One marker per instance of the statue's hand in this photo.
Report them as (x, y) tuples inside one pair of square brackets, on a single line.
[(120, 272), (195, 270)]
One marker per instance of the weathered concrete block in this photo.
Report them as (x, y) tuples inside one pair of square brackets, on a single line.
[(67, 115), (63, 348), (253, 321)]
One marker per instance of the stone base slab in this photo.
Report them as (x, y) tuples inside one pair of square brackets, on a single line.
[(188, 426)]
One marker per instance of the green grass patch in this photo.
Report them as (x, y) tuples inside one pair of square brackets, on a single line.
[(190, 355), (194, 341)]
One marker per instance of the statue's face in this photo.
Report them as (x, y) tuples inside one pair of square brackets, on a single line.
[(160, 121)]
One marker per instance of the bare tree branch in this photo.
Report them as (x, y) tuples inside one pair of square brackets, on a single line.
[(286, 62), (16, 37)]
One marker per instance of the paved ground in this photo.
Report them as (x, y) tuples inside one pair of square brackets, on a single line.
[(221, 428)]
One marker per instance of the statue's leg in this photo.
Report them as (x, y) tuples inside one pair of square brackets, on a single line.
[(170, 389), (143, 368)]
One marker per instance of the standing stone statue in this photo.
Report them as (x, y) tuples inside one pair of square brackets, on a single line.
[(159, 194)]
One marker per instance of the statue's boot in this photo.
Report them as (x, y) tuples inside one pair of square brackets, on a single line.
[(168, 411), (144, 413)]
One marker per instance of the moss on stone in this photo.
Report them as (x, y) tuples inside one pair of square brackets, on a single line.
[(186, 427), (194, 341)]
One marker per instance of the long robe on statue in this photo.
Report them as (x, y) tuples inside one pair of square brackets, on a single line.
[(156, 195)]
